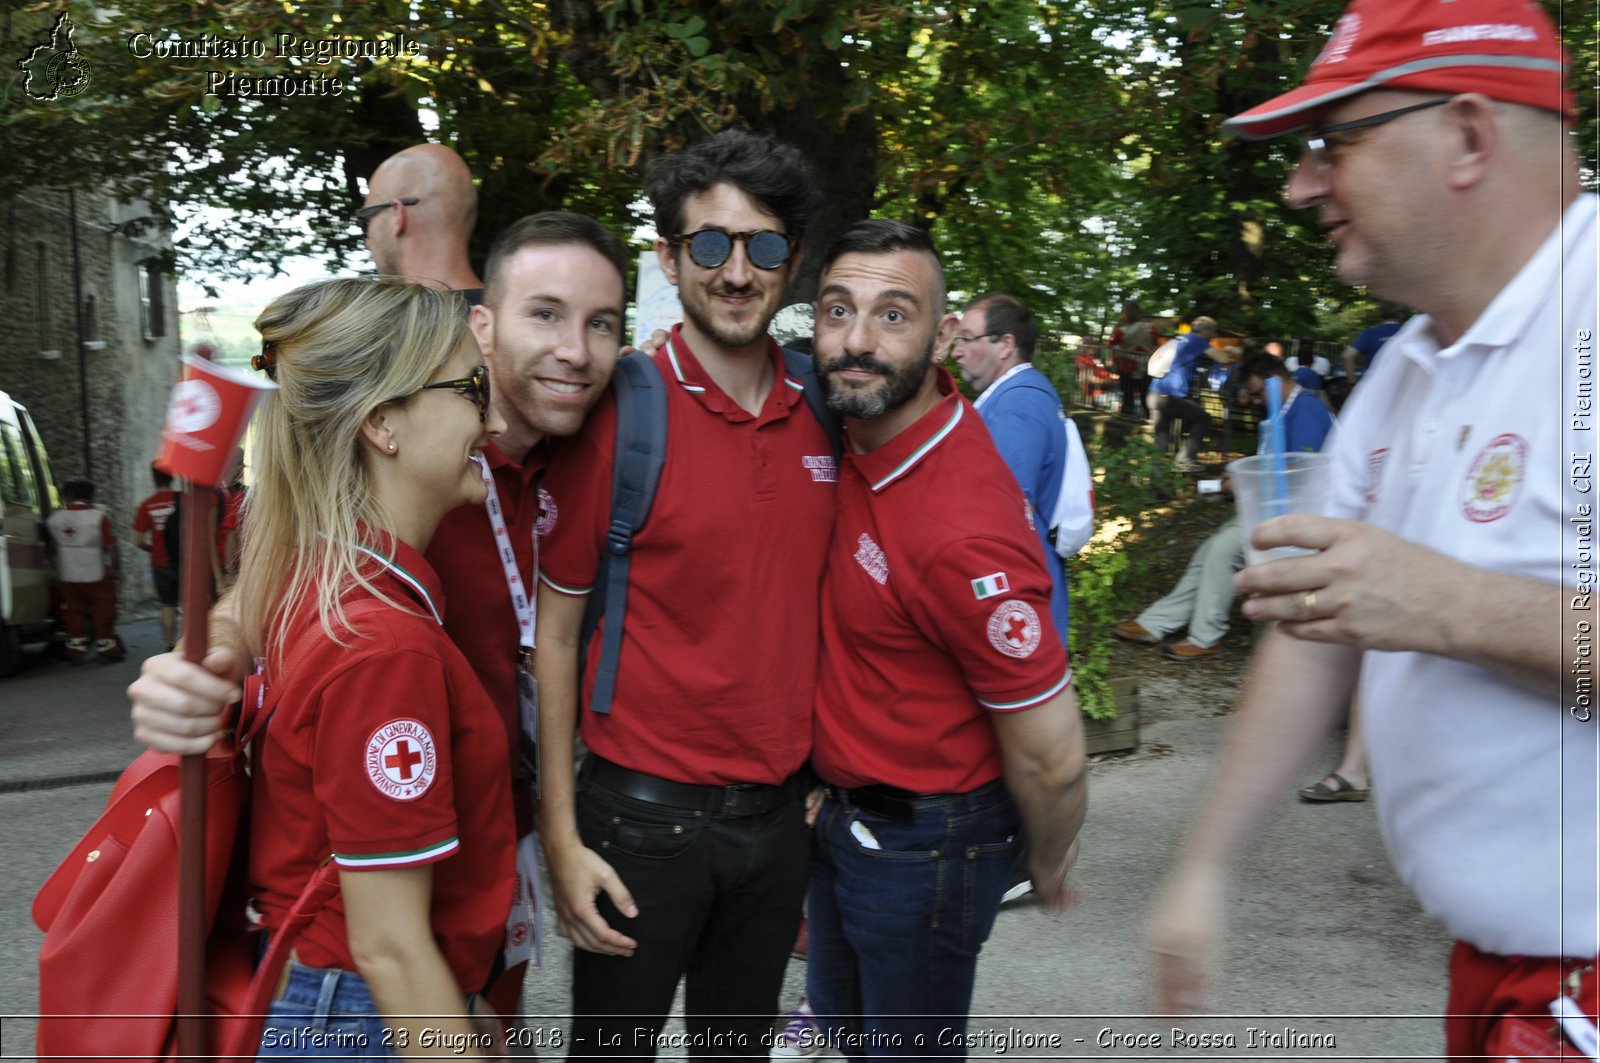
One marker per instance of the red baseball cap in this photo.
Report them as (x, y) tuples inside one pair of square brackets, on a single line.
[(1505, 49)]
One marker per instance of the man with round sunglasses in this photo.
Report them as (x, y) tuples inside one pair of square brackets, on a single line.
[(1455, 576), (681, 851)]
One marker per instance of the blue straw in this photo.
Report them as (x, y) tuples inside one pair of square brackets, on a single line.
[(1276, 445)]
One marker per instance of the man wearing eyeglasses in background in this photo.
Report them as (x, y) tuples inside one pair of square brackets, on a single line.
[(1456, 577), (684, 849), (418, 218), (994, 347)]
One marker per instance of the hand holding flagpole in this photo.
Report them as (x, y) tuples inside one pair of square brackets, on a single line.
[(207, 415)]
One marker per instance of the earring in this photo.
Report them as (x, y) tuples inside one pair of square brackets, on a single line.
[(391, 448)]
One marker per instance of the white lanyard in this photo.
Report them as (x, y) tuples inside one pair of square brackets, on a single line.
[(404, 577), (524, 606)]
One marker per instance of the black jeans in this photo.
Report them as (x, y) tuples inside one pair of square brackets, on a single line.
[(1164, 409), (719, 904)]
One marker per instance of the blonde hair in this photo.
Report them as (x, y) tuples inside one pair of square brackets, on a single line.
[(340, 349)]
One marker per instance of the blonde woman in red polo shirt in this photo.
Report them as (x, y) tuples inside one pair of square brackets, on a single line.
[(381, 408)]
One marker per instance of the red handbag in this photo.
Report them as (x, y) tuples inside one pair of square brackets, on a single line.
[(108, 968)]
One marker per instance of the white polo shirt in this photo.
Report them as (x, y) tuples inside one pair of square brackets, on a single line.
[(1487, 789)]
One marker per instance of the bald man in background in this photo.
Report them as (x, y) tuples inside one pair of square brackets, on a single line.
[(419, 214)]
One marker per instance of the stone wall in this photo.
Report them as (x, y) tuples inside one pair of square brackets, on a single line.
[(97, 390)]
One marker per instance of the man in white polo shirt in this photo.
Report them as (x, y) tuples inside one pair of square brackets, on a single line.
[(1456, 576)]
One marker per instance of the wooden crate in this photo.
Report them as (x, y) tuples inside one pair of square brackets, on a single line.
[(1122, 731)]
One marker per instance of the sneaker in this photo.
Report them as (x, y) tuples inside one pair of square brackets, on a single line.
[(1020, 887), (1130, 631), (799, 1037), (1184, 650)]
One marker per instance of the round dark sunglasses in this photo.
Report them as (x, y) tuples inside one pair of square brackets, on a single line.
[(474, 387), (710, 248)]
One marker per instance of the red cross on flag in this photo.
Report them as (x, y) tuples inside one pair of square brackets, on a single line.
[(209, 409)]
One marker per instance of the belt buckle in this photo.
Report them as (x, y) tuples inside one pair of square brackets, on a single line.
[(738, 800), (882, 804)]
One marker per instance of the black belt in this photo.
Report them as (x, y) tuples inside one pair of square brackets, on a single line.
[(881, 798), (896, 803), (740, 799)]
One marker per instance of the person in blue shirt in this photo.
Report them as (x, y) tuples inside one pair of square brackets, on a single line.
[(994, 346), (1169, 394), (1201, 600), (1363, 350)]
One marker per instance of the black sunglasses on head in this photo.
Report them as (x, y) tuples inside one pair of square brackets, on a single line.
[(365, 213), (474, 387), (710, 248)]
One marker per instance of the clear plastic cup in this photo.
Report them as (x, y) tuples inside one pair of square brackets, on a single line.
[(1263, 492)]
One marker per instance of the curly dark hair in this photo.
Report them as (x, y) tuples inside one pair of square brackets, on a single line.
[(774, 174)]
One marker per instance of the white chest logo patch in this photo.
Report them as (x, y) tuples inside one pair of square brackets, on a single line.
[(822, 467), (547, 514), (1495, 479), (1014, 628), (869, 555), (401, 761)]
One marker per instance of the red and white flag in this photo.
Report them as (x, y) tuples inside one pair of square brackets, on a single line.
[(207, 416)]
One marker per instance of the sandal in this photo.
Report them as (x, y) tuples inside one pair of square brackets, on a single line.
[(1341, 790)]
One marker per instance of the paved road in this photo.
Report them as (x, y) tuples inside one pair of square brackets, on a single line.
[(1326, 943)]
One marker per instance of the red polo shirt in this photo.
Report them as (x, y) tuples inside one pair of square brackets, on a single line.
[(719, 649), (152, 516), (935, 610), (371, 754), (484, 623)]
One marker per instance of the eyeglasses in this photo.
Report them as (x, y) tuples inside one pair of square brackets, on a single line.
[(962, 341), (474, 387), (710, 248), (1316, 145), (364, 214)]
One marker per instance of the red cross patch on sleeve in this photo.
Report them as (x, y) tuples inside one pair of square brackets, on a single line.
[(401, 761), (1014, 628)]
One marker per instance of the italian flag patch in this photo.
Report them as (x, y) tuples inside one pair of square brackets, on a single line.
[(990, 585)]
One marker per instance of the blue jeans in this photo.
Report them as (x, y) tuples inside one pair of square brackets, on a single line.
[(719, 906), (325, 1013), (899, 911)]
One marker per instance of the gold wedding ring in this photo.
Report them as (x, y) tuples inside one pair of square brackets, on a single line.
[(1310, 604)]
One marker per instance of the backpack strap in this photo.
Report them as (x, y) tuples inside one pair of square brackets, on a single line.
[(641, 453), (318, 892), (635, 473), (800, 367)]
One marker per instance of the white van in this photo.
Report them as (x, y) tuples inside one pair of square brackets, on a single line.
[(27, 495)]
